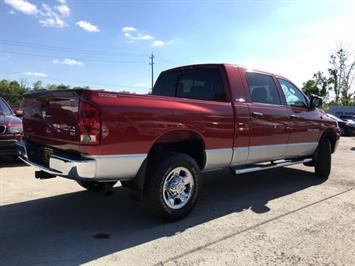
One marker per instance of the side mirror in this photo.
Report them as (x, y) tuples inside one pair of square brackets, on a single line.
[(19, 113), (315, 102)]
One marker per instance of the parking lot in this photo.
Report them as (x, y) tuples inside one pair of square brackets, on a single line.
[(281, 216)]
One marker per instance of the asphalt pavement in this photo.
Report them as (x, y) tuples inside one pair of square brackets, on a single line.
[(282, 216)]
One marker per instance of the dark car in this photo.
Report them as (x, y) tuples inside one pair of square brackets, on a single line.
[(347, 128), (10, 129)]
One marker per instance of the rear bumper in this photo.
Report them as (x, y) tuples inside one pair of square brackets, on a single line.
[(8, 147), (108, 167)]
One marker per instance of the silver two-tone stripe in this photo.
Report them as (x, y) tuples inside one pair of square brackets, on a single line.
[(219, 158)]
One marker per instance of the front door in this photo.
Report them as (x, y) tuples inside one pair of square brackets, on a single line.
[(303, 139)]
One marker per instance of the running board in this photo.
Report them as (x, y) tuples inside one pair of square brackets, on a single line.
[(254, 168)]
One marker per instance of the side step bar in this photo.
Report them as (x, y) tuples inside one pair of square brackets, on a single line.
[(255, 168)]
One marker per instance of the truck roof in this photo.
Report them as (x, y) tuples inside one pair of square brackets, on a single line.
[(226, 65)]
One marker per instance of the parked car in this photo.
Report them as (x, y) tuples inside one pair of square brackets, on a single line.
[(198, 118), (347, 127), (10, 130)]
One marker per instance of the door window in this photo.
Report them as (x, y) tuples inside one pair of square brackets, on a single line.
[(262, 88), (294, 97)]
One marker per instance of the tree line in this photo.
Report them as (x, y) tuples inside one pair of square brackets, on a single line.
[(12, 91)]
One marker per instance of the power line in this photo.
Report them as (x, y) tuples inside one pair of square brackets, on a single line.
[(67, 49), (86, 60), (60, 49)]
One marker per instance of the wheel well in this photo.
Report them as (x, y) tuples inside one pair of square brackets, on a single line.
[(187, 142), (331, 135)]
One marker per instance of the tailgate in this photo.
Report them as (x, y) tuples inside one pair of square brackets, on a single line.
[(52, 118)]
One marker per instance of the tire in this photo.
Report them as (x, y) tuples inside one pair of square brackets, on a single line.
[(172, 185), (323, 159), (95, 186)]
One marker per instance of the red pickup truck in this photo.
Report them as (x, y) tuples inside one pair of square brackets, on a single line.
[(198, 118)]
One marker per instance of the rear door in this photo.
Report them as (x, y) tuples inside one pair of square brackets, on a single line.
[(304, 123), (269, 119)]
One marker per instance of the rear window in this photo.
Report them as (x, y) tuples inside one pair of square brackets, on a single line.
[(262, 88), (202, 84), (165, 85)]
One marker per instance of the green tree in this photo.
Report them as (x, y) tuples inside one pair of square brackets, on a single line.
[(37, 85), (318, 85), (57, 87), (341, 75), (12, 91)]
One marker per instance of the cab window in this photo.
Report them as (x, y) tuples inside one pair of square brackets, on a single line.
[(262, 89), (294, 97)]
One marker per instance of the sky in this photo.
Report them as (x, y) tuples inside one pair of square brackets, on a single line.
[(106, 44)]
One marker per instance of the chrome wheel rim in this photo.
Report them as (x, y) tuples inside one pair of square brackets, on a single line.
[(178, 187)]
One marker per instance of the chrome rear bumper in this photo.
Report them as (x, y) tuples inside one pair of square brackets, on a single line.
[(108, 167)]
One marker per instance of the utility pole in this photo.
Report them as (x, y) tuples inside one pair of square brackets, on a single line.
[(152, 64)]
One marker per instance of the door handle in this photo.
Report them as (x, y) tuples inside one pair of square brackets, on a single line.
[(294, 117), (257, 114)]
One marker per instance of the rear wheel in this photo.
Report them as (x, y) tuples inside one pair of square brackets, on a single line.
[(172, 185), (323, 159), (95, 186)]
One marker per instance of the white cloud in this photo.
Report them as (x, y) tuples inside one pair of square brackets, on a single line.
[(50, 18), (22, 6), (68, 61), (85, 25), (35, 74), (138, 36), (158, 43), (62, 1), (128, 29), (64, 10), (145, 37), (46, 15), (133, 34), (11, 12)]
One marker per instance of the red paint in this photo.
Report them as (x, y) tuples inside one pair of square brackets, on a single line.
[(131, 124)]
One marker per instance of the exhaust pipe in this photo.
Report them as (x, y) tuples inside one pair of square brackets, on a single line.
[(43, 175)]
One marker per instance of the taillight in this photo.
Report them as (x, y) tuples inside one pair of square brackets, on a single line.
[(90, 126)]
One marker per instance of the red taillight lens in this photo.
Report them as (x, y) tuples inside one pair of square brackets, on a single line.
[(90, 126)]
